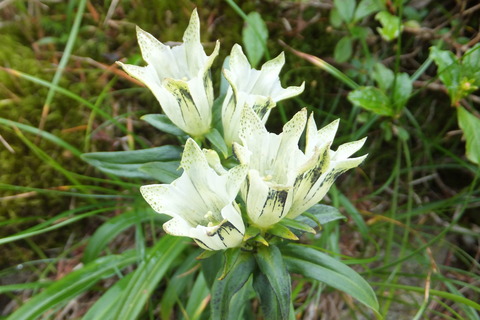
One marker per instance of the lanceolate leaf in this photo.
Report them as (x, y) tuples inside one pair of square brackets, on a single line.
[(267, 297), (72, 285), (372, 99), (101, 310), (316, 265), (176, 285), (471, 130), (128, 163), (254, 37), (147, 276), (163, 123), (319, 215), (270, 263), (164, 172), (217, 140), (111, 228), (223, 290), (196, 302)]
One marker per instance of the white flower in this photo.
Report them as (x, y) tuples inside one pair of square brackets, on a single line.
[(201, 202), (323, 167), (179, 77), (259, 89), (282, 180)]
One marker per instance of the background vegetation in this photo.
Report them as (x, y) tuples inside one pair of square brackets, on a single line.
[(79, 243)]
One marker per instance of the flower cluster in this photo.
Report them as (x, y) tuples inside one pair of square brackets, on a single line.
[(273, 178)]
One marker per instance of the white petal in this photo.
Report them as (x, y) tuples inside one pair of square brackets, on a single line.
[(154, 194), (321, 137), (166, 99), (295, 126), (251, 124), (219, 237), (241, 153), (193, 104), (158, 55), (266, 204), (347, 149), (240, 67), (321, 187), (147, 74), (193, 159), (231, 213), (214, 161), (195, 54), (170, 200), (279, 93), (235, 178)]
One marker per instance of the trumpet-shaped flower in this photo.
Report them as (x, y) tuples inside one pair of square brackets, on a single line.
[(282, 180), (201, 202), (259, 89), (179, 77)]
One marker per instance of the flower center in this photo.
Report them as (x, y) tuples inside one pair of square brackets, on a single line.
[(211, 219)]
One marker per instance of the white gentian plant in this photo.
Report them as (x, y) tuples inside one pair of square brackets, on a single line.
[(284, 181), (244, 191), (201, 202), (179, 77), (258, 89)]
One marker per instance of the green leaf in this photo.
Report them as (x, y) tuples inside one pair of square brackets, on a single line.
[(391, 25), (251, 233), (65, 218), (217, 141), (230, 257), (367, 7), (42, 134), (343, 49), (177, 284), (223, 290), (25, 286), (112, 228), (165, 172), (267, 297), (355, 215), (101, 310), (345, 8), (72, 285), (470, 126), (383, 76), (335, 18), (163, 123), (319, 215), (359, 32), (316, 265), (196, 302), (401, 91), (282, 231), (449, 72), (297, 225), (240, 303), (471, 58), (372, 99), (128, 163), (254, 37), (146, 277), (212, 267), (271, 264)]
